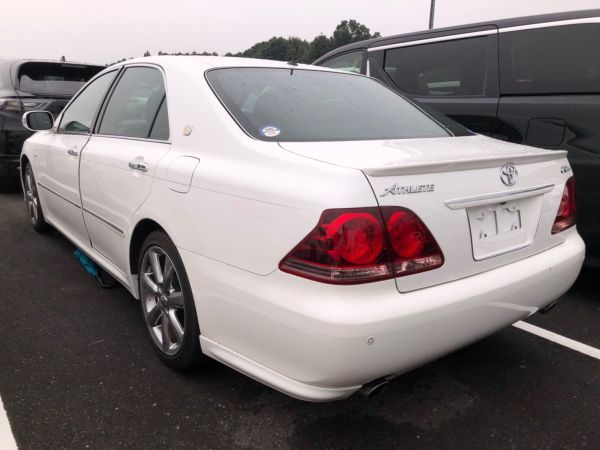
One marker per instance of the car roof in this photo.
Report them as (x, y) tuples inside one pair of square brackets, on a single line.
[(202, 63), (501, 23)]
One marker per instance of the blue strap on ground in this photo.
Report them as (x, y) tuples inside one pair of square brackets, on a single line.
[(86, 262)]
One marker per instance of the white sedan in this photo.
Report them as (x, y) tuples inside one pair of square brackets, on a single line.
[(307, 227)]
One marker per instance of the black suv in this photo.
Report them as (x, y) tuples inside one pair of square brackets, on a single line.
[(27, 85), (531, 80)]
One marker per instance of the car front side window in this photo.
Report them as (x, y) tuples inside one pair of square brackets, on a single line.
[(78, 117)]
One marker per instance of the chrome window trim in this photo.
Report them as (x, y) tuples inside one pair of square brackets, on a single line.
[(558, 23), (451, 37), (111, 136)]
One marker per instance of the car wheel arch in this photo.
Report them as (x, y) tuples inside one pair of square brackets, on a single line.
[(142, 229)]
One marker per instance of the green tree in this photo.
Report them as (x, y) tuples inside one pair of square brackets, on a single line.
[(349, 31), (319, 46)]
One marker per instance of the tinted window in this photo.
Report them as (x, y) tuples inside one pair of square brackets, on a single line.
[(78, 117), (160, 129), (54, 78), (549, 60), (309, 105), (349, 62), (449, 68), (134, 103)]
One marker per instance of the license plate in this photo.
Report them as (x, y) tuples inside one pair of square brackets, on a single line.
[(493, 220), (500, 228)]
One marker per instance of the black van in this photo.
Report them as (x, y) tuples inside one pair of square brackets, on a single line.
[(27, 85), (531, 80)]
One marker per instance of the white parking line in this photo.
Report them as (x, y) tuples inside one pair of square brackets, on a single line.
[(558, 339), (7, 440)]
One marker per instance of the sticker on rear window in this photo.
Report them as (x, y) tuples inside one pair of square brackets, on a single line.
[(270, 131)]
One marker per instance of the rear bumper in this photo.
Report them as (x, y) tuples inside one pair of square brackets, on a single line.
[(322, 342)]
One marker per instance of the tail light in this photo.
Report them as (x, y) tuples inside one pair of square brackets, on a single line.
[(567, 211), (351, 246)]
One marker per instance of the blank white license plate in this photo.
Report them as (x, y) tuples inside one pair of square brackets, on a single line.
[(498, 228), (493, 220)]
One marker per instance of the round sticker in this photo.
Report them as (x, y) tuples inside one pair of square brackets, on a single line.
[(270, 131)]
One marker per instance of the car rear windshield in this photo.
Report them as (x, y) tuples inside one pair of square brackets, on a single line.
[(54, 78), (308, 105)]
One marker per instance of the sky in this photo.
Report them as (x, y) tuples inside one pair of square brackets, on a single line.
[(104, 31)]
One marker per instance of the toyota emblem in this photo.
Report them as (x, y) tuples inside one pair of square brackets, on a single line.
[(509, 174)]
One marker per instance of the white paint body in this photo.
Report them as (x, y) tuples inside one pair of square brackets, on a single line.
[(235, 206)]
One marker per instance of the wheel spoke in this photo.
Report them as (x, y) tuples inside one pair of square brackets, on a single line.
[(176, 299), (176, 327), (166, 333), (28, 182), (149, 283), (153, 315), (155, 262), (168, 273)]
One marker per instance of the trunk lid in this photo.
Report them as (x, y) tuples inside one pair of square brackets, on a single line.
[(454, 186)]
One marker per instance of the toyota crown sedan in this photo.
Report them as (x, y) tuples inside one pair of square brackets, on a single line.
[(310, 228)]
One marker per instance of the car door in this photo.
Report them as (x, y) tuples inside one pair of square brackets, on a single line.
[(456, 74), (120, 160), (57, 162), (550, 94)]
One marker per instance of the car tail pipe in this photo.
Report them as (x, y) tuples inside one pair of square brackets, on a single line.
[(373, 388)]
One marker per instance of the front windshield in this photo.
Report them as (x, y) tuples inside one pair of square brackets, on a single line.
[(295, 105)]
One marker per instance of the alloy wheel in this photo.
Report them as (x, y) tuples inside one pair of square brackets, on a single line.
[(31, 197), (162, 300)]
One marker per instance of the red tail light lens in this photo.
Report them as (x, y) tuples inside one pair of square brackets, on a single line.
[(567, 211), (356, 238), (414, 247), (351, 246)]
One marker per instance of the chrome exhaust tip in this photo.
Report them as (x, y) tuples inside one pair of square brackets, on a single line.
[(374, 387), (547, 308)]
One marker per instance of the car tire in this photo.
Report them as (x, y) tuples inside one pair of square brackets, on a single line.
[(32, 201), (167, 303)]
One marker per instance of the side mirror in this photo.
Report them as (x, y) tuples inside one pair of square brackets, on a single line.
[(38, 120)]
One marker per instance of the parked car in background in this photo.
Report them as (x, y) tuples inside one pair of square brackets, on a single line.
[(27, 85), (310, 228), (530, 80)]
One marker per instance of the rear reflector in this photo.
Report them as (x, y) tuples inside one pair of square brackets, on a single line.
[(351, 246), (567, 211)]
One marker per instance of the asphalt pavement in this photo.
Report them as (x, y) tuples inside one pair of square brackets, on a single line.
[(77, 371)]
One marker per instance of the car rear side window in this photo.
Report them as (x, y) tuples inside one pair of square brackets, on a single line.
[(54, 78), (348, 62), (80, 113), (160, 128), (134, 104), (443, 69), (551, 60), (310, 105)]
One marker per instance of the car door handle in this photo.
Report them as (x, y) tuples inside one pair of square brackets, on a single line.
[(137, 165), (73, 152)]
